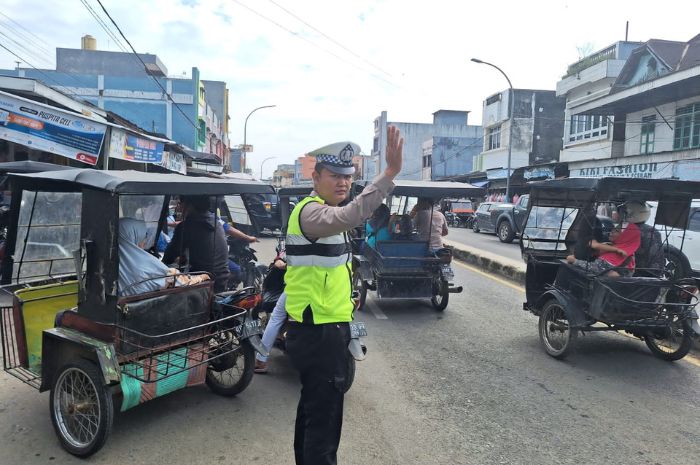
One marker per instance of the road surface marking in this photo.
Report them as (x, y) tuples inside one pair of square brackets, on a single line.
[(693, 360), (378, 313), (490, 276)]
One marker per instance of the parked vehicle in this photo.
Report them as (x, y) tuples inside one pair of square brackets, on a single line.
[(405, 267), (504, 219), (569, 300), (68, 328), (683, 247)]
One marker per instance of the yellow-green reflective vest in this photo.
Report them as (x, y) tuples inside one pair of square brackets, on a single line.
[(319, 274)]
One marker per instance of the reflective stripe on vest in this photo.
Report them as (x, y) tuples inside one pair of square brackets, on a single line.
[(318, 274)]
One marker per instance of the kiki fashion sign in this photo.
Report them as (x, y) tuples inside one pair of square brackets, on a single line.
[(652, 170)]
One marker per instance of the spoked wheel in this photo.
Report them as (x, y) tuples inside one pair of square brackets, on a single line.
[(555, 334), (230, 374), (81, 408), (675, 343), (360, 286), (441, 299)]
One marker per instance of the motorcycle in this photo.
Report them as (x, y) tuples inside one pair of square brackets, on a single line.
[(273, 287), (251, 272)]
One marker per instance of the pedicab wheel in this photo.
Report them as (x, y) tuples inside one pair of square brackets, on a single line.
[(360, 286), (441, 299), (232, 373), (555, 334), (675, 344), (81, 407), (350, 374)]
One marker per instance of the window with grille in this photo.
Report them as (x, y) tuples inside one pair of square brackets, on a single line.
[(582, 127), (494, 137), (686, 133)]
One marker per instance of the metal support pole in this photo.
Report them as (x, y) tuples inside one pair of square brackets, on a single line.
[(245, 133), (511, 101)]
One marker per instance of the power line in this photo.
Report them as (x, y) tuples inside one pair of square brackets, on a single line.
[(30, 33), (328, 37), (104, 26), (297, 35), (146, 68)]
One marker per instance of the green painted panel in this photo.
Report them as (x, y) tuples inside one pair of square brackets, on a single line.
[(172, 361), (131, 387), (39, 307)]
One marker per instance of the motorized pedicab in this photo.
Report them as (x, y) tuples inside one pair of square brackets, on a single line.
[(571, 300), (68, 328), (405, 267)]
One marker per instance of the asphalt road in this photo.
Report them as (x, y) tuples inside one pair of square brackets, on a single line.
[(468, 386), (485, 241)]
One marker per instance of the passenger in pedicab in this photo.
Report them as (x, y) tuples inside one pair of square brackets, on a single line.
[(203, 236), (139, 271), (430, 223), (377, 227), (617, 257)]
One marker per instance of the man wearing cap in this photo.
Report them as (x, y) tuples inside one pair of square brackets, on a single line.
[(319, 291)]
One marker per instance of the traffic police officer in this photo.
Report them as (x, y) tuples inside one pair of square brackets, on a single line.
[(319, 291)]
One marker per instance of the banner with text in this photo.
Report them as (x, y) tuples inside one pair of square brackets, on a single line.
[(129, 147), (43, 127)]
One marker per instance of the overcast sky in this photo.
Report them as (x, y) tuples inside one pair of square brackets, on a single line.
[(332, 66)]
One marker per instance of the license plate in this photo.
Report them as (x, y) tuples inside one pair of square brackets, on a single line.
[(358, 330), (249, 328)]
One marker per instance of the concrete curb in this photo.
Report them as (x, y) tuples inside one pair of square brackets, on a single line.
[(504, 267), (488, 262)]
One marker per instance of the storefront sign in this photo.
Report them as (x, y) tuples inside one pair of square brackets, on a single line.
[(46, 128), (174, 161), (129, 147), (498, 173), (541, 172), (652, 170)]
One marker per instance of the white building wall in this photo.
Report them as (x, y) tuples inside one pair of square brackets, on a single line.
[(663, 134)]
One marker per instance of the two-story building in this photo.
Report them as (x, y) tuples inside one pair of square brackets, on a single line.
[(537, 124), (651, 115)]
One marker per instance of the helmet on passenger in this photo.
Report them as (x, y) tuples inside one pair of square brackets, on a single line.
[(637, 212)]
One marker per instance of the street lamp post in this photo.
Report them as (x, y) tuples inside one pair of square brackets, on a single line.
[(511, 100), (261, 166), (245, 132)]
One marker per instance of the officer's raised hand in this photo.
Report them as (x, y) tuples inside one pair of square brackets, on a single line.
[(394, 152)]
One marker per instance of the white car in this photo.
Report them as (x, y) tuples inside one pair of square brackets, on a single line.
[(684, 250)]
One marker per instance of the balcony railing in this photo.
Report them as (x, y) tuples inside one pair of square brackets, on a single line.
[(587, 62)]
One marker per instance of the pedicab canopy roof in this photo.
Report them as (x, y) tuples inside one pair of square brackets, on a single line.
[(572, 192), (137, 182), (28, 166), (432, 189)]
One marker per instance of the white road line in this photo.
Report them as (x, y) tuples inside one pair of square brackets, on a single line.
[(378, 313)]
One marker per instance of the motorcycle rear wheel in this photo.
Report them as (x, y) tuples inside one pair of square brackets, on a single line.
[(235, 375), (675, 345)]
